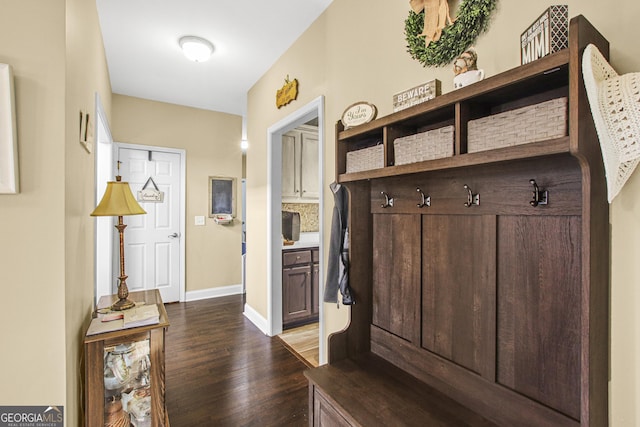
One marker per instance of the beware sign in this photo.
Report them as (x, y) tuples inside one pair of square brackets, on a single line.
[(416, 95)]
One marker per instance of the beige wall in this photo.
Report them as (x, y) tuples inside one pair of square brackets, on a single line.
[(32, 41), (356, 51), (212, 144), (305, 61), (86, 75), (55, 49)]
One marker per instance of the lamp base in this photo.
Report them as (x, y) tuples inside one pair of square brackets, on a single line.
[(122, 304)]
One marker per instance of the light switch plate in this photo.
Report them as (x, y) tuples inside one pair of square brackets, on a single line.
[(199, 220)]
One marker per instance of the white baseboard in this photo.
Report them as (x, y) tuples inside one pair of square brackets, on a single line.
[(256, 318), (222, 291)]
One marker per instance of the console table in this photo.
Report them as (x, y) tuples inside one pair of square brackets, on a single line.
[(125, 368)]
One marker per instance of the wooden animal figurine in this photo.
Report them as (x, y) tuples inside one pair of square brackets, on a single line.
[(465, 62)]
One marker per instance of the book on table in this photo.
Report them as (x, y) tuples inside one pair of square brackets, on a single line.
[(140, 315)]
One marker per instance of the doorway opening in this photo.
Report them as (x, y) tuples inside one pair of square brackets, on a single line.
[(309, 113), (104, 226)]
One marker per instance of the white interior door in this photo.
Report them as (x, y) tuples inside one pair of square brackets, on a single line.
[(152, 241)]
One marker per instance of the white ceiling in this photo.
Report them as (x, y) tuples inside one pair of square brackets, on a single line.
[(145, 60)]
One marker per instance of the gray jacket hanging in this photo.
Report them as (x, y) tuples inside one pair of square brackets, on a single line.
[(338, 261)]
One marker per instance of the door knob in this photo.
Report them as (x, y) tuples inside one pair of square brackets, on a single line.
[(174, 235)]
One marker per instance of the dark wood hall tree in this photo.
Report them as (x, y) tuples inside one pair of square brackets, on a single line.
[(488, 313)]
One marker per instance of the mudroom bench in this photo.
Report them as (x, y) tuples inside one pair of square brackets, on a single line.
[(480, 273), (372, 392)]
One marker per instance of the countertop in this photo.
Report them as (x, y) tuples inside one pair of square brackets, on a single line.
[(307, 240)]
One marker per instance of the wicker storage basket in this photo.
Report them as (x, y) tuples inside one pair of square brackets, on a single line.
[(433, 144), (365, 159), (533, 123)]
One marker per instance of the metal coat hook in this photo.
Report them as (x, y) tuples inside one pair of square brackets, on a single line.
[(388, 201), (425, 200), (472, 199), (540, 197)]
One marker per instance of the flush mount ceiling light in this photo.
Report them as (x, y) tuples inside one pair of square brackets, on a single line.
[(196, 48)]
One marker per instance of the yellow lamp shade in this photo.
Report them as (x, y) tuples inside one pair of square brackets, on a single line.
[(118, 201)]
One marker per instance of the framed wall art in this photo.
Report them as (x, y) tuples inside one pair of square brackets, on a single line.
[(8, 137), (222, 196)]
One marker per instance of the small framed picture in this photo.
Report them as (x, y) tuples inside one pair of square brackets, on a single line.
[(222, 196), (8, 134)]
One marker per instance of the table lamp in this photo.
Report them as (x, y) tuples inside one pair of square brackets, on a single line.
[(119, 201)]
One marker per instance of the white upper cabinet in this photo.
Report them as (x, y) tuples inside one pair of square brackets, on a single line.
[(300, 165), (290, 189)]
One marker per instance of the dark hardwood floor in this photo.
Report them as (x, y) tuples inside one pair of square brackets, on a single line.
[(223, 371)]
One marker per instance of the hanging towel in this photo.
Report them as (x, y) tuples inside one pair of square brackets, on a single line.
[(338, 262)]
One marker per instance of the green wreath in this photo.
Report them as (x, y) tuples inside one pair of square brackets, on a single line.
[(472, 20)]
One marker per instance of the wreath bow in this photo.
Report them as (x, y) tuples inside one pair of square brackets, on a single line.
[(436, 16), (472, 19)]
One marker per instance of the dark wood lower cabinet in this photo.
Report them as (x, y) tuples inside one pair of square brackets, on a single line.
[(396, 280), (538, 319), (315, 286), (299, 287), (296, 292), (458, 289)]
